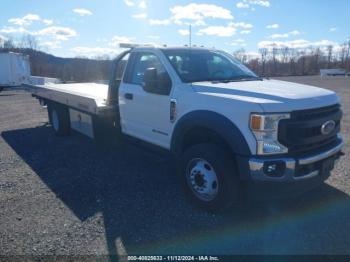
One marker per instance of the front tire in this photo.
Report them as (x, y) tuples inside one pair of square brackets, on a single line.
[(211, 177)]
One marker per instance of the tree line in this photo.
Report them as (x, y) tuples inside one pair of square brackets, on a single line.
[(286, 61), (275, 61)]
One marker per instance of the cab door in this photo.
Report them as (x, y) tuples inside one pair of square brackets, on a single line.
[(144, 114)]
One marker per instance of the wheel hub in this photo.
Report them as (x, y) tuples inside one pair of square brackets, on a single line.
[(199, 180), (202, 179)]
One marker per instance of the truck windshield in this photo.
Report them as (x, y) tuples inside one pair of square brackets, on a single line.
[(196, 65)]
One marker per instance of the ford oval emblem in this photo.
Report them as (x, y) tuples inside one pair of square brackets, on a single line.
[(328, 127)]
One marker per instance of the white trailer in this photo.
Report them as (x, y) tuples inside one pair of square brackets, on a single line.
[(14, 69), (333, 72)]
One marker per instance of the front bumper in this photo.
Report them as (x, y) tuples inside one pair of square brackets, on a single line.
[(296, 168)]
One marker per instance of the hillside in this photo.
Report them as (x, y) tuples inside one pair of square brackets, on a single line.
[(66, 69)]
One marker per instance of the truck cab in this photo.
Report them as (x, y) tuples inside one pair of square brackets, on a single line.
[(228, 129)]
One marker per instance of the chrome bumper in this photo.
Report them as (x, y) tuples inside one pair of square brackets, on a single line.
[(257, 166)]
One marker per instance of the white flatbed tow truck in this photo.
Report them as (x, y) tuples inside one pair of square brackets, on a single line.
[(229, 130)]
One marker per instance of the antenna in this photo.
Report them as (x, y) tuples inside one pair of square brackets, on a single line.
[(190, 35)]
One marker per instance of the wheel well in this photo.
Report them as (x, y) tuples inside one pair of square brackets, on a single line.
[(199, 135)]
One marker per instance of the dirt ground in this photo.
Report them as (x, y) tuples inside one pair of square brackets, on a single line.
[(70, 196)]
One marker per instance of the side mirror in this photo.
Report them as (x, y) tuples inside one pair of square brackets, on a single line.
[(150, 80), (157, 84)]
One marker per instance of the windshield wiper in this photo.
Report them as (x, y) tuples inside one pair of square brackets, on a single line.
[(238, 79), (200, 80)]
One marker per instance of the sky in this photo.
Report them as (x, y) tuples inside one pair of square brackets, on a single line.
[(90, 28)]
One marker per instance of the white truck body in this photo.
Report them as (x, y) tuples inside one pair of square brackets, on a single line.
[(41, 80), (333, 72), (14, 69), (219, 111)]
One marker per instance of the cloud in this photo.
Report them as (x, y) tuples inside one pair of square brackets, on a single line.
[(273, 26), (333, 29), (225, 31), (25, 20), (238, 42), (245, 32), (116, 40), (183, 32), (324, 43), (51, 44), (47, 21), (13, 30), (263, 3), (94, 51), (242, 25), (60, 33), (3, 38), (222, 31), (285, 35), (82, 11), (129, 2), (193, 14), (279, 36), (154, 37), (140, 16), (28, 19), (250, 3), (295, 32), (242, 5), (159, 22), (300, 43), (143, 5), (197, 13)]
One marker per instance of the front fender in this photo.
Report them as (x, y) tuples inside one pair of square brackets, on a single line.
[(212, 121)]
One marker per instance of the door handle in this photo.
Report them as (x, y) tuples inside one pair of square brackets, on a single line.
[(129, 96)]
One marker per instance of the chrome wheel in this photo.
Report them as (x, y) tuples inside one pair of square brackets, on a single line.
[(202, 179), (54, 119)]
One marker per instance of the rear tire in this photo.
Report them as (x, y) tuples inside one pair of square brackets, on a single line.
[(59, 119), (210, 176)]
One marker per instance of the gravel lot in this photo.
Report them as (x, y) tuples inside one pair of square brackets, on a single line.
[(70, 196)]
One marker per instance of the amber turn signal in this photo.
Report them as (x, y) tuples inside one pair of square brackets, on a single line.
[(255, 122)]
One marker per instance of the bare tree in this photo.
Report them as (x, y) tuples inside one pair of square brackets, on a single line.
[(301, 60), (241, 55), (263, 52), (347, 59), (329, 55), (9, 43), (29, 41), (274, 59), (285, 54)]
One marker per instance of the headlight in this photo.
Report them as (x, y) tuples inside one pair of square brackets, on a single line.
[(265, 130)]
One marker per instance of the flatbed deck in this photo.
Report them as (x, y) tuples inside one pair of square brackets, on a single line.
[(87, 97)]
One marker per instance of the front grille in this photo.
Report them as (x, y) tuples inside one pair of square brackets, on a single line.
[(302, 132)]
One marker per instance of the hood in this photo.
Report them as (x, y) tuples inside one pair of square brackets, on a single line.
[(272, 95)]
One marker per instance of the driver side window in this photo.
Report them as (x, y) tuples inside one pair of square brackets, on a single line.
[(143, 62), (217, 67)]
